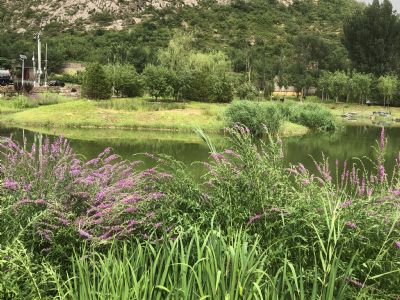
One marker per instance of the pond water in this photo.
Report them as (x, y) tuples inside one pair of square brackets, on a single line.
[(350, 142)]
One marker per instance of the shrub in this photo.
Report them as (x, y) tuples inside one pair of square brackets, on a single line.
[(157, 79), (95, 84), (246, 91), (255, 116), (313, 116)]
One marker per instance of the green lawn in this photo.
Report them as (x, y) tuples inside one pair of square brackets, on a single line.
[(130, 114)]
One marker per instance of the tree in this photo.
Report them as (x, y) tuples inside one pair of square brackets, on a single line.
[(388, 86), (372, 39), (157, 79), (338, 84), (360, 86), (125, 80), (95, 84)]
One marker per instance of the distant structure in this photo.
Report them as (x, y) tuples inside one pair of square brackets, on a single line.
[(33, 73)]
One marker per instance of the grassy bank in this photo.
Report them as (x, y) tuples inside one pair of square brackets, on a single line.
[(129, 114)]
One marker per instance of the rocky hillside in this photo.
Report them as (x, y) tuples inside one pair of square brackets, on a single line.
[(111, 14)]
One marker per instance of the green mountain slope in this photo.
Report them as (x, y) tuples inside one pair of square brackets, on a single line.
[(266, 32)]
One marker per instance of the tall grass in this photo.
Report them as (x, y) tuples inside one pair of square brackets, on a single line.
[(138, 104), (196, 266)]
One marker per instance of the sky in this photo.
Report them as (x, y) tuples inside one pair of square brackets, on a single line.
[(396, 4)]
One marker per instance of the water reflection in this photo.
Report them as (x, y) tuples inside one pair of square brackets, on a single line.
[(352, 141)]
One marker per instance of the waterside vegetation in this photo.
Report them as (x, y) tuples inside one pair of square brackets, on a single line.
[(71, 227)]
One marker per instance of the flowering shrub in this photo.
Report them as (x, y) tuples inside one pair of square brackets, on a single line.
[(61, 197)]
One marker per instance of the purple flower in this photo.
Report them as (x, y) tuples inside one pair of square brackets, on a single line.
[(10, 185), (131, 209), (232, 153), (84, 234), (355, 282), (132, 199), (217, 156), (254, 218), (158, 225), (111, 158), (156, 195), (346, 203), (382, 142), (40, 202), (397, 244), (351, 225)]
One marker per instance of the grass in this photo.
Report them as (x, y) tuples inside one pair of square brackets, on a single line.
[(129, 114)]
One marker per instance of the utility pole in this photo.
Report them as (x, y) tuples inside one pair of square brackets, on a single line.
[(22, 58), (39, 69), (45, 69), (34, 68)]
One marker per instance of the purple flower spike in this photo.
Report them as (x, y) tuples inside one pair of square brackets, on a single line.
[(351, 225), (397, 244), (254, 218), (84, 234)]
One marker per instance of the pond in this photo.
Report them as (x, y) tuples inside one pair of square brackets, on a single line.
[(350, 142)]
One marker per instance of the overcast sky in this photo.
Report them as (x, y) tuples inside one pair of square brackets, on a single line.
[(396, 4)]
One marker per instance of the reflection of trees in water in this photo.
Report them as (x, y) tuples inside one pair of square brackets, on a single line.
[(352, 141)]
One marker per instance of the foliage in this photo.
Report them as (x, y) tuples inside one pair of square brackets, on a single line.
[(125, 80), (312, 116), (157, 79), (372, 38), (255, 115), (246, 91), (95, 83), (388, 85)]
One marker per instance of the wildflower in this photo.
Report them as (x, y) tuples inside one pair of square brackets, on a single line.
[(27, 187), (397, 244), (10, 185), (351, 225), (94, 161), (254, 218), (158, 225), (156, 195), (132, 199), (217, 156), (355, 282), (346, 203), (111, 158), (131, 209), (232, 153), (40, 202), (84, 234), (382, 142)]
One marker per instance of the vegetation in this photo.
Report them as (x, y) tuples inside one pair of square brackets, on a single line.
[(372, 38), (258, 116), (96, 84), (328, 236)]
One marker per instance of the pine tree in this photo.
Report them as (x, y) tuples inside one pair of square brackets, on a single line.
[(95, 83)]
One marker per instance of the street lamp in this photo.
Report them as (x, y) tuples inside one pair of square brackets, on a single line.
[(23, 58)]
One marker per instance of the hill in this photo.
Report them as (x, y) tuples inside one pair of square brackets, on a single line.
[(265, 32)]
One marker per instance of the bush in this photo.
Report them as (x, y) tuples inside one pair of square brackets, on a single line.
[(96, 85), (255, 115), (157, 80), (314, 117), (246, 91), (311, 115)]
